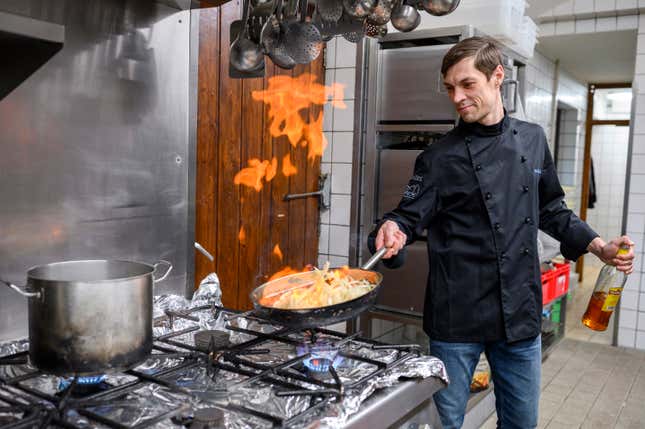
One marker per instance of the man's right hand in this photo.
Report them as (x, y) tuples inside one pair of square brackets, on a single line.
[(390, 236)]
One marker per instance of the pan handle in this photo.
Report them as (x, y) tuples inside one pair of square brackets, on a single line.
[(24, 293), (163, 277), (374, 259)]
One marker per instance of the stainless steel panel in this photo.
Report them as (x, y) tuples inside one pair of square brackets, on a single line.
[(395, 170), (404, 288), (16, 24), (377, 412), (96, 144), (411, 87)]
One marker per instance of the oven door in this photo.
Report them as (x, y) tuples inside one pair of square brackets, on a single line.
[(411, 87)]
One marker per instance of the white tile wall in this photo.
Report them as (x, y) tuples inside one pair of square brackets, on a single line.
[(338, 124), (567, 8), (626, 337), (636, 202), (583, 6), (343, 147), (628, 318), (627, 22), (629, 301), (609, 153), (626, 4), (540, 74), (640, 340)]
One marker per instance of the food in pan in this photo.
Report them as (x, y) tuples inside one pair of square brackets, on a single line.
[(326, 287)]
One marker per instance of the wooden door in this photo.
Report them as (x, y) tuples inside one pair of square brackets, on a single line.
[(251, 152)]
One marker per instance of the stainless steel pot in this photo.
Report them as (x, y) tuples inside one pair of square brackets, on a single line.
[(89, 317)]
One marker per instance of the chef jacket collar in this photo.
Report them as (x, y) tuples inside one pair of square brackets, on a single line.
[(484, 130)]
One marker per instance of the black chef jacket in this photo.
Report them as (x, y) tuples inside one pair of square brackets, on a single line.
[(482, 192)]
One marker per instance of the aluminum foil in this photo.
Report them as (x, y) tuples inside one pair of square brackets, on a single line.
[(198, 386)]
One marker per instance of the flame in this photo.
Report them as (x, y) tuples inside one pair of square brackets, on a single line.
[(287, 97), (278, 252), (287, 270), (288, 169), (242, 235), (271, 170), (252, 175), (336, 93), (316, 138), (283, 272)]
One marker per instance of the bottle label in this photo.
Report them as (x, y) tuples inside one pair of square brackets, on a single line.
[(612, 299)]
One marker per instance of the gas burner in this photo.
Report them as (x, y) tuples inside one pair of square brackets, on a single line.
[(85, 385), (323, 354), (211, 340), (203, 418), (207, 418)]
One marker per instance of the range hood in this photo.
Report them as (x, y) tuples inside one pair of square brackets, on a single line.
[(25, 45)]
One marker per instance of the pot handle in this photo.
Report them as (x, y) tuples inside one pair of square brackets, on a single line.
[(163, 277), (24, 293)]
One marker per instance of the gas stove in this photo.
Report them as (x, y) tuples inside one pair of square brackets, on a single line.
[(207, 371)]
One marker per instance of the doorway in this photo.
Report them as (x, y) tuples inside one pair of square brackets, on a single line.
[(602, 198)]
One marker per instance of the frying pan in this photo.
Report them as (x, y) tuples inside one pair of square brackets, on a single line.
[(321, 316)]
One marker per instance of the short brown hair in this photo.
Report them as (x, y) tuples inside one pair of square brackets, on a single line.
[(484, 49)]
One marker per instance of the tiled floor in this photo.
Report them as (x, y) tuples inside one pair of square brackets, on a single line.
[(590, 385), (586, 382)]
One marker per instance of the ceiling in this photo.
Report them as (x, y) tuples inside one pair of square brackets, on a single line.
[(593, 57)]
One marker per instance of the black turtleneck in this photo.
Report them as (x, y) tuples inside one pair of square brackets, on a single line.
[(484, 130)]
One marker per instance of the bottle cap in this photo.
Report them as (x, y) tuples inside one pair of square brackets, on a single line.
[(623, 250)]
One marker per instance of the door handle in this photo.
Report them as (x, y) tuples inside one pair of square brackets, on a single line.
[(323, 194), (516, 87)]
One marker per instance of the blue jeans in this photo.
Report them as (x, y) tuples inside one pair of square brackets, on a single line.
[(515, 370)]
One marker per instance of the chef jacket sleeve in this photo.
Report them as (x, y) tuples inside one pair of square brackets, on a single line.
[(556, 219), (417, 206)]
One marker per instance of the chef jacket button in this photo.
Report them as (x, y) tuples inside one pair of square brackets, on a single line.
[(525, 188), (527, 220), (514, 131), (497, 226), (478, 167), (523, 158), (488, 195), (468, 139), (503, 255), (525, 251)]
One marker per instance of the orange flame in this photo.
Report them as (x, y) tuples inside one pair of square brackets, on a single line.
[(278, 252), (252, 175), (242, 235), (286, 271), (286, 98), (336, 93), (288, 169), (272, 170), (316, 138)]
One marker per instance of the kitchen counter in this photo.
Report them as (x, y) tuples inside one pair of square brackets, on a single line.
[(394, 404)]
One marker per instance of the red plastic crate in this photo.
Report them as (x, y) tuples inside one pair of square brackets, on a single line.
[(548, 287), (561, 279), (555, 283)]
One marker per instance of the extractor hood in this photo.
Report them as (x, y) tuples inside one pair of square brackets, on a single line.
[(25, 45)]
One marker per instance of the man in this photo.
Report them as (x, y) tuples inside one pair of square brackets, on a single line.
[(482, 192)]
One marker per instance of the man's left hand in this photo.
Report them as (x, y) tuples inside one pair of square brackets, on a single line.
[(608, 252)]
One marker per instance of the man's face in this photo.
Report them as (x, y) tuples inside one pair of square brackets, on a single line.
[(473, 94)]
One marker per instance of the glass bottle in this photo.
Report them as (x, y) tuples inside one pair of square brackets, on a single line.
[(605, 296)]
